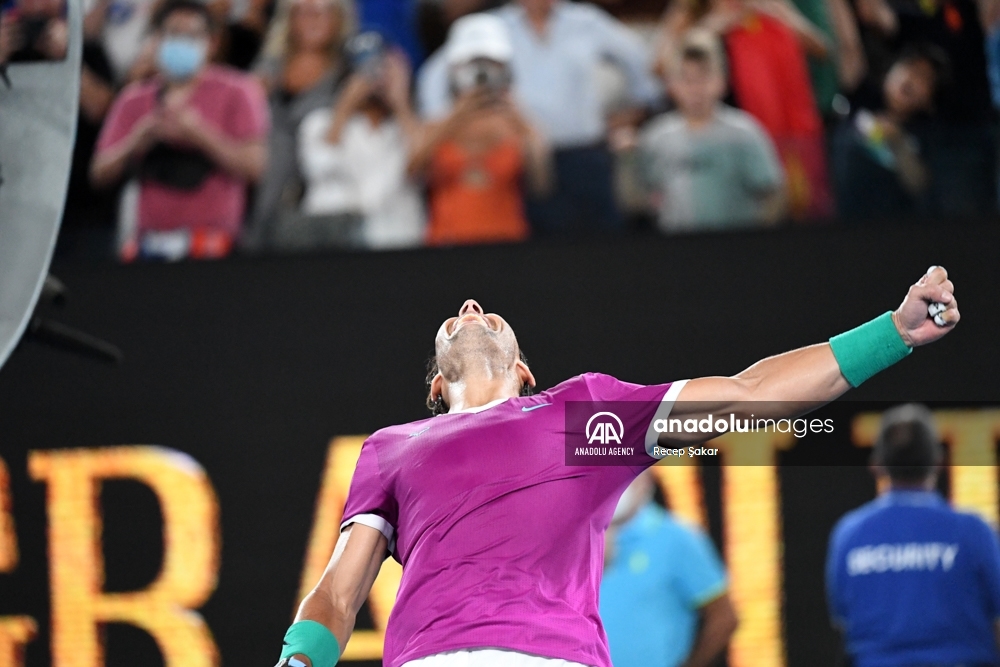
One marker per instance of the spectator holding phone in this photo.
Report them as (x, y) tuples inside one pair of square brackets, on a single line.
[(195, 137), (557, 46), (353, 156), (478, 159)]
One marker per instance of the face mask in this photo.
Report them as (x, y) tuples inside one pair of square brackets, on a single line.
[(179, 58)]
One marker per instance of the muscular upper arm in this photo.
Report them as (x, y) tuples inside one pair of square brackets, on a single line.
[(703, 396)]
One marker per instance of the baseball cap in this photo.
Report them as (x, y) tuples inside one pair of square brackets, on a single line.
[(478, 36)]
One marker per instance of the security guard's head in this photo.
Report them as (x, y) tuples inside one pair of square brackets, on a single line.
[(908, 450)]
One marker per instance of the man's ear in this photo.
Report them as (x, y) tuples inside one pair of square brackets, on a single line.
[(437, 387), (524, 373)]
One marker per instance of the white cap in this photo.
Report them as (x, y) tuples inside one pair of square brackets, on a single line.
[(478, 36)]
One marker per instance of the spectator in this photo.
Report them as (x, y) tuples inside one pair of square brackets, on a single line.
[(88, 224), (910, 580), (878, 168), (302, 68), (557, 46), (354, 158), (239, 31), (476, 156), (962, 151), (123, 26), (32, 30), (196, 132), (664, 598), (767, 42), (709, 166), (843, 67)]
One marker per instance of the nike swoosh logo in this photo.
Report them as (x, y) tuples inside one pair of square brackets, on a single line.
[(412, 435), (529, 408)]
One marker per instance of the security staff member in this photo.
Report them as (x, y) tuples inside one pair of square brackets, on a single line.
[(912, 582)]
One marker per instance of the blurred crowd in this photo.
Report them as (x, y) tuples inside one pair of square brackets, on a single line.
[(286, 125)]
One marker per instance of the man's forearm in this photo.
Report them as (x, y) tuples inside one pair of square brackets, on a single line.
[(336, 599), (784, 385), (338, 618), (809, 376), (794, 383)]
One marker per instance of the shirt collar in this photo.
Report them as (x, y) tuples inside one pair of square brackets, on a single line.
[(518, 10), (479, 408), (911, 497)]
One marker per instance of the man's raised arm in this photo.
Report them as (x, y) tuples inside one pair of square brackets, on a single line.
[(790, 384), (326, 616)]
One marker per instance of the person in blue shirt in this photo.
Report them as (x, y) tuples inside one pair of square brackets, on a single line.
[(912, 582), (664, 596)]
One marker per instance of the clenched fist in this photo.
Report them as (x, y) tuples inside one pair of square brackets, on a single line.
[(912, 319)]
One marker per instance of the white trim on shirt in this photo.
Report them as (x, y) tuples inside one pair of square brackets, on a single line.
[(376, 522), (662, 412), (478, 408)]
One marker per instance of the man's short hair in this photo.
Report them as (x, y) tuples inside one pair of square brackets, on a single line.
[(704, 48), (908, 447), (172, 6)]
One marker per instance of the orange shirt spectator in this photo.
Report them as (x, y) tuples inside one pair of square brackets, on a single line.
[(476, 198), (479, 158)]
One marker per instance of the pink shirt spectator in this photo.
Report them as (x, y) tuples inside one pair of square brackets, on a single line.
[(230, 101)]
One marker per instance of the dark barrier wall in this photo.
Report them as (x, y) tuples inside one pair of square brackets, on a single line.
[(252, 367)]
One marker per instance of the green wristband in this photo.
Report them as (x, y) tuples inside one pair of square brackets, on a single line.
[(866, 350), (312, 640)]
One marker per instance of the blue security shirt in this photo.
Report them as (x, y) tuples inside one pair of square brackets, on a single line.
[(661, 574), (911, 581)]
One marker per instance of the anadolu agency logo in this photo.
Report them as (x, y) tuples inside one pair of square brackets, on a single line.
[(595, 434), (604, 428)]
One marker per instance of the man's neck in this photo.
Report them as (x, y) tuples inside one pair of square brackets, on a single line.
[(699, 121), (539, 20), (477, 392), (926, 485)]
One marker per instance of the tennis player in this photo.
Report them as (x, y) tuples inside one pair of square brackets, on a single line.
[(500, 541)]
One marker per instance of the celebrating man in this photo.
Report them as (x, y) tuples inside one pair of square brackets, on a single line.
[(501, 542)]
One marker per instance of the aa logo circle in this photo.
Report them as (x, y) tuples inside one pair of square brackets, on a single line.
[(604, 428)]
